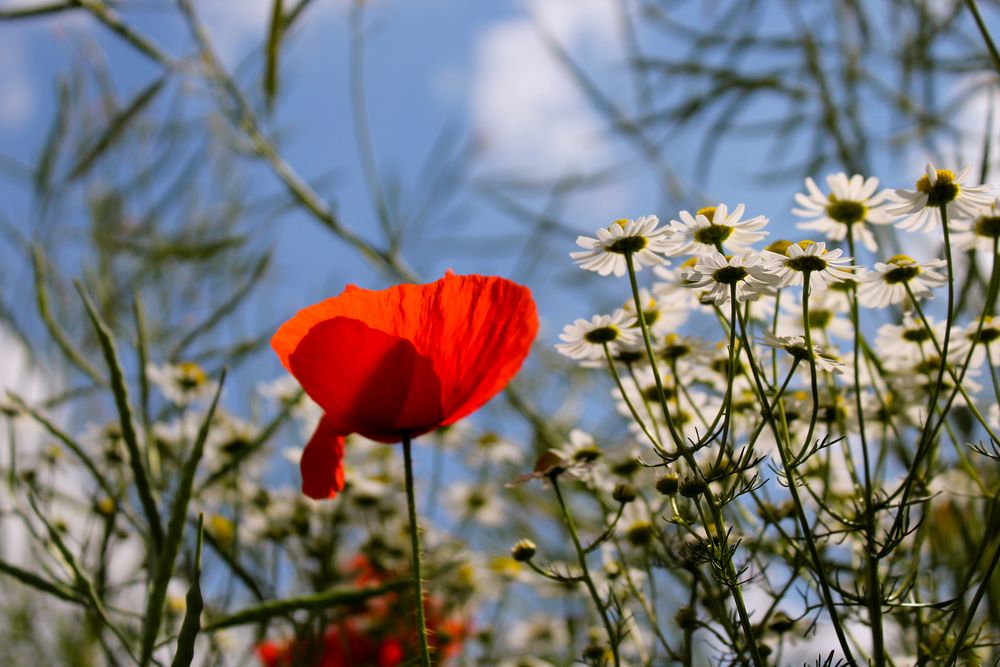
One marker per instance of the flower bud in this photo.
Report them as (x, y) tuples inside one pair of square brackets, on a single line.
[(686, 618), (523, 551), (668, 484), (624, 493), (692, 487)]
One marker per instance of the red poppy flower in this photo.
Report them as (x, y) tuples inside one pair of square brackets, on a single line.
[(377, 635), (399, 362)]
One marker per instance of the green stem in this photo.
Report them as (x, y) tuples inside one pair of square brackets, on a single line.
[(874, 596), (418, 584), (582, 557), (820, 570)]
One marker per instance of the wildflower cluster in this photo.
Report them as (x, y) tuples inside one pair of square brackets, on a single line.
[(806, 433)]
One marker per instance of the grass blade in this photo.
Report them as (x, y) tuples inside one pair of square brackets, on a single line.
[(120, 390), (69, 350), (175, 531), (117, 127), (273, 49), (70, 444), (225, 309), (191, 624), (32, 580), (346, 595)]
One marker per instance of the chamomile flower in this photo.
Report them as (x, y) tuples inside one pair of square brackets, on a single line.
[(937, 188), (981, 233), (660, 316), (888, 282), (586, 340), (796, 346), (638, 238), (717, 274), (989, 340), (581, 448), (851, 203), (183, 383), (908, 342), (994, 415), (826, 315), (701, 233), (824, 267), (477, 502)]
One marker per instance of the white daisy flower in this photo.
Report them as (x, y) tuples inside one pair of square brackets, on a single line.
[(851, 203), (491, 448), (638, 238), (183, 383), (994, 415), (796, 346), (826, 315), (824, 267), (980, 233), (670, 289), (700, 234), (676, 349), (661, 316), (907, 343), (581, 448), (989, 339), (717, 274), (477, 502), (586, 340), (636, 525), (888, 282), (936, 188)]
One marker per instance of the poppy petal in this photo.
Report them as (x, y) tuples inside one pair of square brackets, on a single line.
[(322, 462), (367, 381), (474, 330)]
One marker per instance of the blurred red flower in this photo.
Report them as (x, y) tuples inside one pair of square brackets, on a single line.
[(403, 361), (376, 635)]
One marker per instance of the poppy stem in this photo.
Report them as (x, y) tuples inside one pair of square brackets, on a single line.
[(418, 584)]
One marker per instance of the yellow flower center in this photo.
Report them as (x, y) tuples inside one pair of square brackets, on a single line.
[(944, 190), (708, 212)]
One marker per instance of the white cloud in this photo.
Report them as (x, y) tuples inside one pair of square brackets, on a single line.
[(525, 107), (19, 100)]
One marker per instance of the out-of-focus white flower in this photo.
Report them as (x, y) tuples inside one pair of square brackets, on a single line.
[(479, 502), (826, 315), (712, 226), (491, 448), (851, 204), (908, 342), (796, 346), (606, 254), (543, 634), (183, 383), (888, 282), (937, 188), (989, 340), (661, 317), (980, 233), (581, 448), (586, 340), (717, 274)]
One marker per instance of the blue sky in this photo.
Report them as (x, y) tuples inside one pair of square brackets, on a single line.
[(475, 72)]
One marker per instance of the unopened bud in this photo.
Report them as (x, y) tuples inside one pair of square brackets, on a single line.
[(523, 551), (624, 493), (668, 484)]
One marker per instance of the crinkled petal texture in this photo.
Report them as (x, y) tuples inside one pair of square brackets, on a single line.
[(403, 361)]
